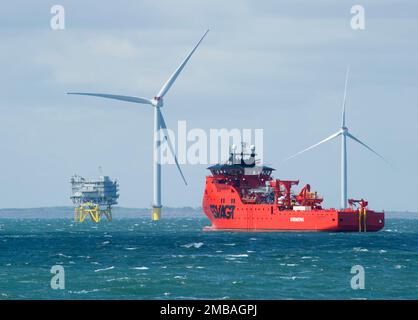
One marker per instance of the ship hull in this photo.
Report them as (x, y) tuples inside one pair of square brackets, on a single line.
[(227, 212), (305, 222)]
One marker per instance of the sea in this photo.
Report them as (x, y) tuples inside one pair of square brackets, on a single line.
[(175, 259)]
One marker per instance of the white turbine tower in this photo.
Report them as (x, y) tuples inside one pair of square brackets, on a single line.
[(159, 125), (344, 133)]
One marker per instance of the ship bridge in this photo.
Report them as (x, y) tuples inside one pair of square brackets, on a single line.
[(241, 164), (240, 170)]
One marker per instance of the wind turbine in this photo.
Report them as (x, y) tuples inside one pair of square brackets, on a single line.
[(159, 125), (344, 133)]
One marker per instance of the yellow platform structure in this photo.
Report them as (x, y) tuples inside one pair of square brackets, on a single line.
[(156, 213), (92, 210)]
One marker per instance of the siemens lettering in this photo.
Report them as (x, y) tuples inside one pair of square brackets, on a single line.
[(222, 211)]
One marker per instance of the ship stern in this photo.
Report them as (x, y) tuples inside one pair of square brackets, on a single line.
[(362, 220)]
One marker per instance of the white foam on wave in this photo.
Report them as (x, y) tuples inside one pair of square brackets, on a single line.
[(196, 245), (117, 279), (104, 269), (293, 277), (242, 255), (358, 249), (84, 291), (140, 268)]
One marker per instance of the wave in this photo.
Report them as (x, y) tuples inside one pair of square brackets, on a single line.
[(293, 277), (243, 255), (104, 269), (358, 249), (196, 245), (140, 268), (84, 291)]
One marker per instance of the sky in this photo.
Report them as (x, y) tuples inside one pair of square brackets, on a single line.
[(272, 65)]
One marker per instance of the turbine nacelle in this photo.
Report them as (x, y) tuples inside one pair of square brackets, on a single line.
[(157, 102)]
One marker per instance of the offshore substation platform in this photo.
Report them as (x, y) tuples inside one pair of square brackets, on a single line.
[(93, 198)]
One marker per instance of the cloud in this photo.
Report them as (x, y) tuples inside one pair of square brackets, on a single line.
[(272, 65)]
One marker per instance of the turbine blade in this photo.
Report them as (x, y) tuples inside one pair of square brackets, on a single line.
[(315, 145), (115, 97), (345, 96), (366, 146), (163, 126), (174, 76)]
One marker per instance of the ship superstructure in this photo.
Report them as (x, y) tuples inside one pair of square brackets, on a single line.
[(93, 198), (241, 195)]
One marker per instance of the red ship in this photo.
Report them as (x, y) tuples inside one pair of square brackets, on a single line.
[(243, 196)]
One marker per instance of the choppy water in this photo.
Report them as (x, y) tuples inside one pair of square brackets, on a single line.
[(174, 259)]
